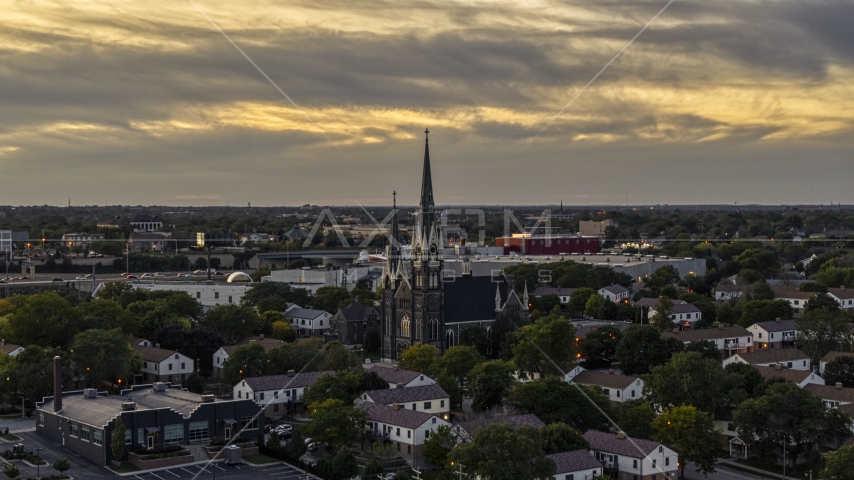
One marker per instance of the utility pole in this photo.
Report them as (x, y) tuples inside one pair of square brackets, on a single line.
[(460, 473)]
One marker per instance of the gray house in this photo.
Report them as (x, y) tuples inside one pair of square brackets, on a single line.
[(351, 322), (153, 416)]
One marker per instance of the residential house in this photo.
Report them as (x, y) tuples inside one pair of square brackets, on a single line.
[(405, 429), (399, 378), (221, 355), (10, 348), (634, 459), (774, 334), (796, 298), (147, 242), (729, 340), (801, 378), (832, 395), (75, 239), (351, 323), (845, 297), (584, 327), (153, 415), (831, 356), (146, 223), (576, 465), (615, 293), (428, 399), (278, 395), (465, 431), (618, 388), (682, 313), (562, 294), (308, 321), (162, 365), (791, 358)]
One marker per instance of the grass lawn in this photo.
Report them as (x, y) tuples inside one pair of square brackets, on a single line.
[(125, 467), (11, 437), (259, 459)]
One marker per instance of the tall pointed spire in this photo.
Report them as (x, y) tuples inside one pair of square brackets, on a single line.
[(395, 230), (426, 178)]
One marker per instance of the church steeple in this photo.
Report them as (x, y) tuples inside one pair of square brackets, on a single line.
[(426, 178), (426, 235), (395, 230)]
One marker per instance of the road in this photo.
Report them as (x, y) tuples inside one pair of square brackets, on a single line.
[(721, 473)]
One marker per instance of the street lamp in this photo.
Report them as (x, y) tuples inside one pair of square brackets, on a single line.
[(38, 465)]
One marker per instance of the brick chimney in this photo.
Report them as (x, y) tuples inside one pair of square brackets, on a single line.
[(57, 384), (395, 406), (720, 326), (394, 368), (156, 345), (261, 336), (777, 320), (621, 435), (838, 385), (778, 366), (291, 373), (611, 371)]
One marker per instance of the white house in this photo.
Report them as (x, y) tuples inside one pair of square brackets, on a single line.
[(278, 394), (633, 459), (729, 340), (576, 465), (10, 348), (209, 295), (562, 294), (791, 358), (307, 321), (831, 356), (405, 429), (428, 399), (397, 377), (618, 388), (681, 314), (845, 297), (801, 378), (222, 354), (774, 334), (162, 365), (832, 395), (615, 293), (796, 298)]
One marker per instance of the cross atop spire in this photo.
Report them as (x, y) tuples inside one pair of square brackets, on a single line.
[(394, 204), (426, 134)]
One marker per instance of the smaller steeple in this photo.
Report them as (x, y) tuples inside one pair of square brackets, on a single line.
[(525, 295), (497, 298)]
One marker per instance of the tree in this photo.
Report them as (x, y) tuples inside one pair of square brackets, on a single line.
[(282, 330), (261, 290), (306, 353), (30, 373), (372, 340), (245, 361), (459, 361), (560, 437), (45, 319), (11, 471), (195, 383), (594, 305), (821, 331), (822, 301), (635, 418), (706, 348), (726, 313), (438, 445), (642, 347), (764, 311), (117, 442), (663, 310), (61, 465), (692, 434), (840, 369), (420, 357), (476, 337), (344, 386), (600, 344), (233, 322), (660, 279), (338, 357), (549, 341), (553, 400), (272, 304), (687, 379), (102, 355), (501, 452), (837, 464), (331, 299), (489, 384), (452, 388), (342, 466), (743, 381), (335, 423), (578, 299), (105, 315), (784, 415)]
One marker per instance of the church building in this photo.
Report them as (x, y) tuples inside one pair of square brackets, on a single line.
[(421, 302)]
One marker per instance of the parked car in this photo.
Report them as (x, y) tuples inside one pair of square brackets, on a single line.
[(80, 278), (159, 275), (131, 277), (146, 275), (56, 279)]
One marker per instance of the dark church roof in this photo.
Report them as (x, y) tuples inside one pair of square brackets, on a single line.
[(470, 298)]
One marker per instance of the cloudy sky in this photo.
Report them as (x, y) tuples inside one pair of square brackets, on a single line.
[(744, 101)]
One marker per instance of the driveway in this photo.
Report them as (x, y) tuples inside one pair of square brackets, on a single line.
[(18, 424)]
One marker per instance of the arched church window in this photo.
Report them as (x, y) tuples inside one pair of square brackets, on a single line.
[(449, 338), (404, 326)]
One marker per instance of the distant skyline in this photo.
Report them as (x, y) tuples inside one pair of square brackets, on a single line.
[(147, 103)]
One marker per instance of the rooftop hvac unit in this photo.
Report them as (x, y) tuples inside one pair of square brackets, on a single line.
[(128, 405), (90, 393), (208, 398), (159, 387), (233, 455)]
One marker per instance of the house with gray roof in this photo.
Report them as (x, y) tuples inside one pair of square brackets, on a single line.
[(801, 378), (351, 323), (791, 358), (466, 430), (729, 340), (615, 293), (405, 429), (308, 321), (222, 354), (796, 298), (576, 465), (562, 294), (278, 394), (831, 356), (632, 458), (843, 296), (618, 387), (10, 348), (400, 378), (774, 334), (428, 398), (832, 395), (162, 365)]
